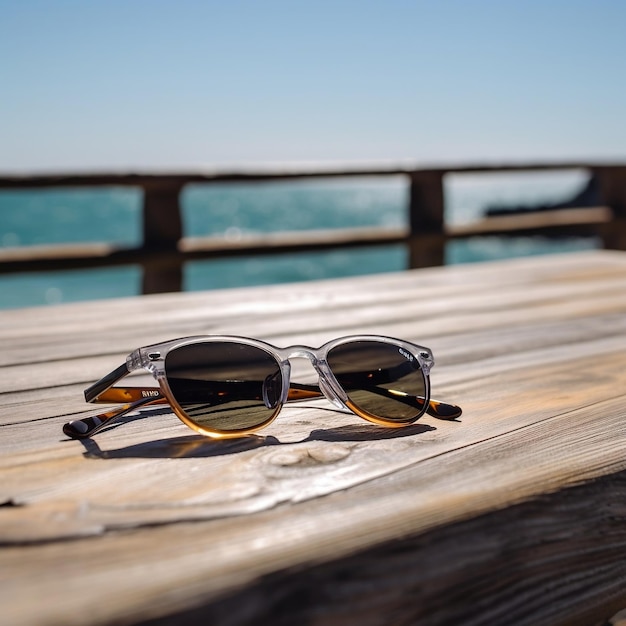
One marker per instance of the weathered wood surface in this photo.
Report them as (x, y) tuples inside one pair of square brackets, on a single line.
[(515, 514)]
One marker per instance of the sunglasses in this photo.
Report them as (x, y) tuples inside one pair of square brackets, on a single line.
[(224, 386)]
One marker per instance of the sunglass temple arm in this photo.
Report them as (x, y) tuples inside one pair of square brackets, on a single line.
[(436, 408), (101, 392)]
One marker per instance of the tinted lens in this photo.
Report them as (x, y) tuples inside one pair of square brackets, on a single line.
[(382, 379), (225, 386)]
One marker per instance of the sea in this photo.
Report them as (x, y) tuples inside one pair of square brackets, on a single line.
[(113, 215)]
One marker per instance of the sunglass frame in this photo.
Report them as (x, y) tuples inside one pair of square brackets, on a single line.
[(153, 358)]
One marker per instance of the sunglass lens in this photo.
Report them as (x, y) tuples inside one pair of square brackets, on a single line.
[(225, 386), (382, 380)]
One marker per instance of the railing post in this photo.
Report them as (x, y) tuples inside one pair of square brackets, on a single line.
[(613, 194), (426, 219), (162, 230)]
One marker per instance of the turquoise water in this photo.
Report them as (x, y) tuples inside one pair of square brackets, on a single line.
[(113, 215)]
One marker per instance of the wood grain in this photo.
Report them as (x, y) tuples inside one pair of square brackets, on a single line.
[(512, 514)]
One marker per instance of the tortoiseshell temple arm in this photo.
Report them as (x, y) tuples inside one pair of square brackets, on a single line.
[(88, 426), (440, 410), (101, 392), (443, 410)]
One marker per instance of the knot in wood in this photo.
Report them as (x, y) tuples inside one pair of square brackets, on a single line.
[(309, 455)]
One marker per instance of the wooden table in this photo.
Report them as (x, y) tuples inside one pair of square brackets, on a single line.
[(514, 514)]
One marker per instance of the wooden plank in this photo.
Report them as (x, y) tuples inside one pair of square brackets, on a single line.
[(612, 183), (88, 328), (436, 282), (285, 171), (290, 241), (426, 220), (94, 255), (566, 222), (162, 226), (513, 514), (570, 222), (241, 555)]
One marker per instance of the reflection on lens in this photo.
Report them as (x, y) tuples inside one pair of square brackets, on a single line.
[(225, 386), (381, 379)]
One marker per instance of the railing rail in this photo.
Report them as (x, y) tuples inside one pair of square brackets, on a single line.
[(165, 249)]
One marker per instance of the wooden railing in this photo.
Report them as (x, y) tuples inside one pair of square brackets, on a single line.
[(164, 249)]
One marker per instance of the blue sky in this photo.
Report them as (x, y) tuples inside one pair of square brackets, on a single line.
[(152, 84)]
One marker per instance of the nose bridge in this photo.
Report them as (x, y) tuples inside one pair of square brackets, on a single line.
[(301, 352), (321, 369), (312, 355)]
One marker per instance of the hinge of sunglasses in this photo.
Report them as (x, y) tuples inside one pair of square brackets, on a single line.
[(88, 426)]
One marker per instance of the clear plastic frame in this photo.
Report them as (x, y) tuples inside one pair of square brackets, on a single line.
[(227, 386)]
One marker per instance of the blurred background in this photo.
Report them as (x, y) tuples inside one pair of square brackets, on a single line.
[(164, 86)]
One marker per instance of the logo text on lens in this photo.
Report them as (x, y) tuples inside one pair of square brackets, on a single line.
[(406, 355)]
